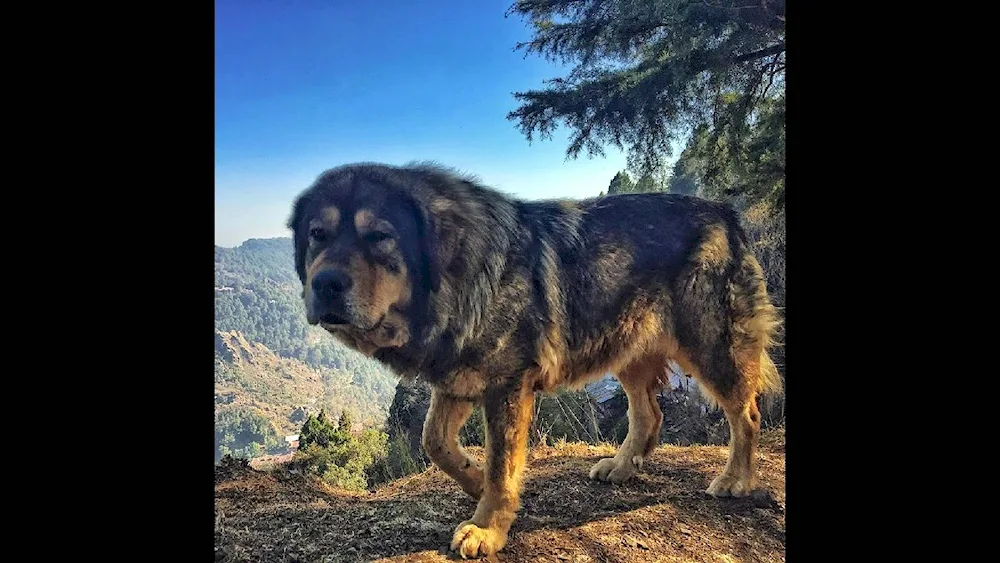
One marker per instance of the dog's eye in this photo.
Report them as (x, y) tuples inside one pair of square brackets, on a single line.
[(376, 237), (317, 234)]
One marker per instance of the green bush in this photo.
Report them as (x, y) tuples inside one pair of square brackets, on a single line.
[(320, 431), (339, 457)]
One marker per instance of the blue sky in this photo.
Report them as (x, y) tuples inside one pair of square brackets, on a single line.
[(302, 86)]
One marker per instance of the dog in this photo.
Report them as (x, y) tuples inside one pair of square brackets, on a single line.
[(491, 300)]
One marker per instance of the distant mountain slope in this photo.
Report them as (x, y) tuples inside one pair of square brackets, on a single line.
[(256, 259), (258, 295), (251, 374)]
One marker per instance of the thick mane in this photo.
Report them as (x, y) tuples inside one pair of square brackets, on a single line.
[(534, 236), (476, 255)]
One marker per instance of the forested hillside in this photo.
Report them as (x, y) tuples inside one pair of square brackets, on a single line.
[(263, 339)]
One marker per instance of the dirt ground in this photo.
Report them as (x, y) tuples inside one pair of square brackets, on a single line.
[(660, 515)]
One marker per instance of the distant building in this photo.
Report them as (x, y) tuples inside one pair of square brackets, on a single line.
[(604, 389), (292, 441)]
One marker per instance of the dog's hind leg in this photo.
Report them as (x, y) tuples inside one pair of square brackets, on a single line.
[(752, 372), (445, 418), (641, 380), (725, 323), (739, 478)]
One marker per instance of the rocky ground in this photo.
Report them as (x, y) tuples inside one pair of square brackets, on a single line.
[(661, 515)]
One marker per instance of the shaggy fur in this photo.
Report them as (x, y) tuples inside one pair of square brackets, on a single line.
[(491, 299)]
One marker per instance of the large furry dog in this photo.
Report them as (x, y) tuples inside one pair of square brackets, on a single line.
[(491, 299)]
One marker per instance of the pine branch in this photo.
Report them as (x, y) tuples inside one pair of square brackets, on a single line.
[(773, 50)]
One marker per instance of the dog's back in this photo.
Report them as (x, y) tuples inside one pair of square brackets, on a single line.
[(622, 271)]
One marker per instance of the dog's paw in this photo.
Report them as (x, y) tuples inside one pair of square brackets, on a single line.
[(472, 541), (614, 470), (726, 485)]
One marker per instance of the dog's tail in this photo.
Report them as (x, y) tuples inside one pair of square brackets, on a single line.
[(770, 378), (756, 321)]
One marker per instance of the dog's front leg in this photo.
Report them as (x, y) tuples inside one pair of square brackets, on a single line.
[(508, 416), (445, 418)]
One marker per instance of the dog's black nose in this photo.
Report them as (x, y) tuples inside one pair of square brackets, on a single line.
[(331, 282)]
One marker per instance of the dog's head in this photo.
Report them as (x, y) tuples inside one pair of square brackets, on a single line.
[(365, 252)]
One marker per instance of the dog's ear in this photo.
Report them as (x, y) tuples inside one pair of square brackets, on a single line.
[(427, 230), (300, 236)]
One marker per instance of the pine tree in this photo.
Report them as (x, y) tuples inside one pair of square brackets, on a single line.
[(647, 183), (621, 184), (648, 74)]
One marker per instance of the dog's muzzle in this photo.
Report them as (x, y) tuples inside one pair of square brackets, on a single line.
[(329, 304)]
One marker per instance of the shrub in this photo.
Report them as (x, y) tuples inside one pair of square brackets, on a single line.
[(339, 457)]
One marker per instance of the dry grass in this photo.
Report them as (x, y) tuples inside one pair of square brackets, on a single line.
[(661, 515)]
